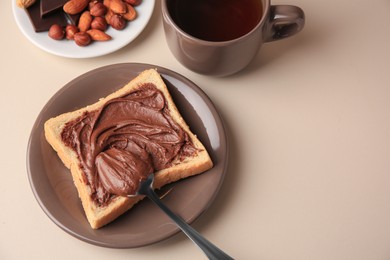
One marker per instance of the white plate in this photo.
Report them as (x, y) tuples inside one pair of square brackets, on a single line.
[(69, 49)]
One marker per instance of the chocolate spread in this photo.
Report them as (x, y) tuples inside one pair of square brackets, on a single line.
[(120, 144)]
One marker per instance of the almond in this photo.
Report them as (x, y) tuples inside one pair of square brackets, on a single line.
[(133, 2), (131, 14), (118, 6), (98, 35), (107, 3), (108, 16), (75, 6), (85, 21)]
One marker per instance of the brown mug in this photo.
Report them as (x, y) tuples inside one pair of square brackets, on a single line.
[(202, 40)]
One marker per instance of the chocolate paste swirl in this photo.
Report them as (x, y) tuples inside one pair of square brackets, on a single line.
[(123, 142)]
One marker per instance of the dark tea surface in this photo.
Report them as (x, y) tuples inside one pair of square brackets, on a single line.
[(216, 20)]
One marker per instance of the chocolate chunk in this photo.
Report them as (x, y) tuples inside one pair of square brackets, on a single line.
[(73, 18), (49, 6), (42, 24)]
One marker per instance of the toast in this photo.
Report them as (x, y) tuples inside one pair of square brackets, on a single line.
[(83, 139)]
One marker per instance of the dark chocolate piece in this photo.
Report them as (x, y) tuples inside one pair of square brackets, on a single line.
[(49, 6), (42, 24), (73, 18)]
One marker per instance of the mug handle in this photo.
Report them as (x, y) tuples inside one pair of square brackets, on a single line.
[(284, 21)]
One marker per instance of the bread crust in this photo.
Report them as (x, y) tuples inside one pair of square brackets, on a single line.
[(99, 216)]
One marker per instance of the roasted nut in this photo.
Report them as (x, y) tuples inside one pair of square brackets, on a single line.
[(24, 3), (98, 9), (75, 6), (82, 38), (117, 22), (118, 6), (133, 2), (131, 14), (95, 17), (85, 21), (108, 16), (92, 3), (70, 31), (56, 32), (98, 35), (107, 3), (99, 23)]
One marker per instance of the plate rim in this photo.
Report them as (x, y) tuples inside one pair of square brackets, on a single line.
[(220, 127)]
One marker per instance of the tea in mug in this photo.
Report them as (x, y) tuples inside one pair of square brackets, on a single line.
[(216, 20)]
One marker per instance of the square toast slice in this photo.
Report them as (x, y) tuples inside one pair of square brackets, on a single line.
[(99, 214)]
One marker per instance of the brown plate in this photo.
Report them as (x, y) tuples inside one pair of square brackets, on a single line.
[(145, 224)]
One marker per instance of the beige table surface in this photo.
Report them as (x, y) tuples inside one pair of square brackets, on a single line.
[(309, 129)]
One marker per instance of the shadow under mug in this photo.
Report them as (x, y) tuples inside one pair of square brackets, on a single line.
[(222, 58)]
